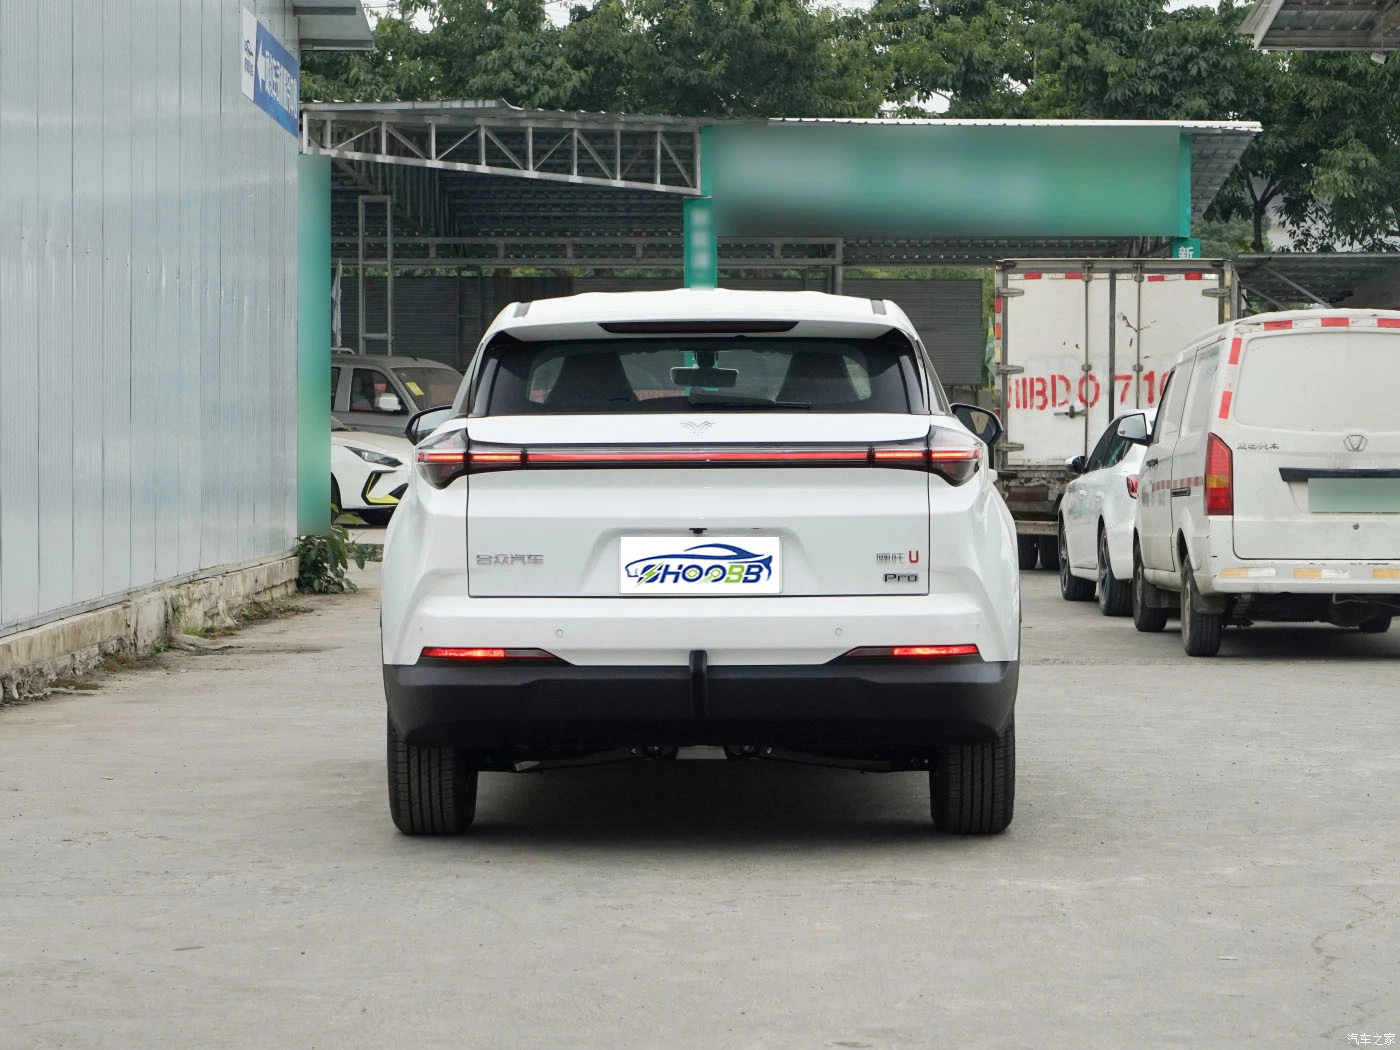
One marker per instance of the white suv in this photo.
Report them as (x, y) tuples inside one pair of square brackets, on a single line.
[(667, 519), (1271, 485)]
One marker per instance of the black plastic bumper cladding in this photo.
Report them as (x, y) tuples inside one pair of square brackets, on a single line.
[(882, 706)]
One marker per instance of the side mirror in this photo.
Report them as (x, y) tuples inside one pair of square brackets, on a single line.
[(1134, 428), (424, 423), (1075, 464), (981, 422), (388, 403)]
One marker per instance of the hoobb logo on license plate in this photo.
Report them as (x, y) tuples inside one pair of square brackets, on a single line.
[(719, 566)]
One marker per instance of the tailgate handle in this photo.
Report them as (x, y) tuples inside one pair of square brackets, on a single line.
[(1308, 473), (1151, 462)]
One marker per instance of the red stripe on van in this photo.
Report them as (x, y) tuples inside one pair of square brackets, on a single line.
[(1336, 322), (1388, 322), (1235, 345), (1277, 326), (1031, 276), (1156, 277), (1225, 405), (1195, 277), (1074, 277)]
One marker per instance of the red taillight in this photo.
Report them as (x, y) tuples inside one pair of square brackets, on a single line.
[(941, 452), (438, 652), (910, 652), (442, 458), (1220, 477), (1132, 480)]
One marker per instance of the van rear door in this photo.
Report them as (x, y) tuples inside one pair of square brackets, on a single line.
[(1314, 425)]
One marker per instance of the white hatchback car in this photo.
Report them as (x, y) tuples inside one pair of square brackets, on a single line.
[(369, 472), (704, 517), (1271, 487), (1096, 521)]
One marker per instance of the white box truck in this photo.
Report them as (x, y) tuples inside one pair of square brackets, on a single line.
[(1079, 342)]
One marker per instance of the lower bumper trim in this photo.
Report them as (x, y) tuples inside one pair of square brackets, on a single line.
[(850, 708)]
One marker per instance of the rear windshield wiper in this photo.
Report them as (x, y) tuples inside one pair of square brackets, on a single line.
[(707, 403)]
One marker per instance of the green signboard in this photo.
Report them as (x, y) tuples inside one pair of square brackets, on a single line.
[(829, 179)]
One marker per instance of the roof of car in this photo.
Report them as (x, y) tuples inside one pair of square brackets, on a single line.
[(1315, 314), (577, 316), (341, 353)]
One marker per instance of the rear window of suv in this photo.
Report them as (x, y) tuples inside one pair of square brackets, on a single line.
[(732, 373)]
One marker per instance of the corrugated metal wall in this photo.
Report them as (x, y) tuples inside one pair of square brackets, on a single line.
[(443, 317), (147, 301)]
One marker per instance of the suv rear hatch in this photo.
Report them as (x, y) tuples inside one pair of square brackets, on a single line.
[(633, 465), (1316, 446)]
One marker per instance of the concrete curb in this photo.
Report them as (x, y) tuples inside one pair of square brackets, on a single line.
[(31, 660)]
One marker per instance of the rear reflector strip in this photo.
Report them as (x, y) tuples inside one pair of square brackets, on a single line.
[(1385, 574), (910, 652), (1257, 573), (1225, 405), (1320, 574), (469, 655)]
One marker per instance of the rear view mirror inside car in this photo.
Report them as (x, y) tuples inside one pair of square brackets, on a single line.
[(705, 378)]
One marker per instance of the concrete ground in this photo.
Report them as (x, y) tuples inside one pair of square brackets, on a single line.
[(1206, 853)]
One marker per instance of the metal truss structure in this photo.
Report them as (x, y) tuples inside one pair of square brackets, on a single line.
[(479, 185), (658, 154), (1325, 25)]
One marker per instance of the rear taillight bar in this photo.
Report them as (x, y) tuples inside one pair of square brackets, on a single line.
[(484, 655), (910, 652), (1132, 480), (945, 453)]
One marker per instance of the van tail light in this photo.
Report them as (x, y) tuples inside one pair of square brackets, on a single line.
[(1220, 477), (1132, 480), (485, 655), (910, 652), (946, 453)]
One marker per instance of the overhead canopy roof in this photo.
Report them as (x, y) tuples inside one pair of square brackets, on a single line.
[(1289, 278), (1324, 25), (332, 25), (479, 182)]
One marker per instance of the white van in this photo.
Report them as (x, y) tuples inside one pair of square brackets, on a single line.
[(1270, 489)]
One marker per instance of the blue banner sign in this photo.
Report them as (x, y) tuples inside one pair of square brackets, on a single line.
[(270, 74)]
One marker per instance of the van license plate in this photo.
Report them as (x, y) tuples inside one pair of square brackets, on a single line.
[(718, 566), (1354, 495)]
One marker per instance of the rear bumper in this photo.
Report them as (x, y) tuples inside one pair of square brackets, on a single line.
[(858, 708)]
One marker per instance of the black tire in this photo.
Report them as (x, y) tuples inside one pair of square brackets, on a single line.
[(1200, 632), (432, 790), (377, 516), (1027, 551), (1115, 596), (1375, 625), (1147, 618), (972, 787), (1072, 588), (335, 500), (1049, 552)]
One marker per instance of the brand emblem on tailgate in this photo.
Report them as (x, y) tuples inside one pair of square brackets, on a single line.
[(1355, 442), (715, 563), (697, 427)]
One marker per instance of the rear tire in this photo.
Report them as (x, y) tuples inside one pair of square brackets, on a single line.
[(432, 790), (1147, 618), (1375, 625), (972, 787), (1027, 551), (1072, 588), (1200, 632), (1049, 552), (1115, 596)]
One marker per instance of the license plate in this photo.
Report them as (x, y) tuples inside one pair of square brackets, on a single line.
[(719, 566)]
